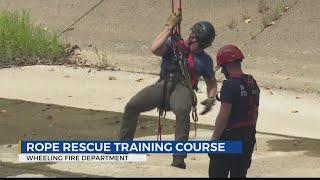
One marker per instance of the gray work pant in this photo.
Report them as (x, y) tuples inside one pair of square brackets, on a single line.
[(179, 102)]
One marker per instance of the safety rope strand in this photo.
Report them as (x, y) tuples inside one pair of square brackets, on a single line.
[(177, 52), (76, 21), (163, 115), (193, 94), (159, 128)]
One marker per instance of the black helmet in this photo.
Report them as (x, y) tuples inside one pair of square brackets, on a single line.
[(204, 32)]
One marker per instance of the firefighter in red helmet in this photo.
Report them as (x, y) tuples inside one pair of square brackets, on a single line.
[(238, 115)]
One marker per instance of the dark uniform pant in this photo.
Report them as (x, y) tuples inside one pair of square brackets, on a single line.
[(237, 165), (178, 101)]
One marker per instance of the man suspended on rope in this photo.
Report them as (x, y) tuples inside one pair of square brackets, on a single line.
[(172, 92), (237, 117)]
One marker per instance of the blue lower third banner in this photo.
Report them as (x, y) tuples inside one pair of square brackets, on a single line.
[(129, 147)]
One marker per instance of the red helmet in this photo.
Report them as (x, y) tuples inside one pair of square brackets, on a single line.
[(228, 54)]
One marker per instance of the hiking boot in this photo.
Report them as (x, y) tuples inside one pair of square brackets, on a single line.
[(178, 162)]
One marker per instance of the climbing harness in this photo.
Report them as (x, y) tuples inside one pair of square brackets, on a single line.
[(177, 49)]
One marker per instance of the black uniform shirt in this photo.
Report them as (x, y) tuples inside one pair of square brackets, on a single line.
[(235, 92)]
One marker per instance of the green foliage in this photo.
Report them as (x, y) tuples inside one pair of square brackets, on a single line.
[(273, 15), (262, 6), (103, 60), (21, 39)]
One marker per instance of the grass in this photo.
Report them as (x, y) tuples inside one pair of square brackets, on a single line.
[(262, 6), (103, 60), (278, 10), (275, 14), (246, 15), (266, 20), (252, 35), (20, 39), (232, 23)]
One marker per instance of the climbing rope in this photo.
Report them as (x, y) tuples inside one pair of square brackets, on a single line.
[(76, 21), (175, 37)]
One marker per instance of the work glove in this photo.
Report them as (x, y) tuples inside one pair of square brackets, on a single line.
[(208, 103), (174, 19)]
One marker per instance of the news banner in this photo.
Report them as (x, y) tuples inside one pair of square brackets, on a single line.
[(117, 151)]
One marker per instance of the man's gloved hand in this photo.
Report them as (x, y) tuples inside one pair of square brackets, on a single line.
[(174, 19), (208, 103)]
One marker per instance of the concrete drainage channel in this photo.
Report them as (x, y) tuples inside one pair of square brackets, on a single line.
[(59, 102), (276, 156)]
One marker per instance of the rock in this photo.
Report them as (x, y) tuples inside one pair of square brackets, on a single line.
[(3, 111), (272, 23), (112, 68), (248, 20), (139, 80), (193, 158), (112, 78)]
